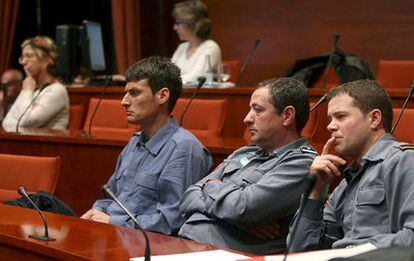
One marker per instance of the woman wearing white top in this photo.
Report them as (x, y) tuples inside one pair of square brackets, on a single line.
[(194, 27), (43, 101)]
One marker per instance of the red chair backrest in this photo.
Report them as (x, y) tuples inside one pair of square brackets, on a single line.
[(32, 172), (395, 74), (204, 118), (404, 130), (110, 120), (75, 117)]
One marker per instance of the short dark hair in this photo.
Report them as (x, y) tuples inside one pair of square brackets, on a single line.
[(368, 95), (160, 72), (289, 92), (194, 14)]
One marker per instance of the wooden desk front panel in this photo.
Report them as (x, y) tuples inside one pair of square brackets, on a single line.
[(78, 239)]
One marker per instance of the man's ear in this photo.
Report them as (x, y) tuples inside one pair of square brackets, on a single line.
[(163, 95), (376, 119), (288, 116)]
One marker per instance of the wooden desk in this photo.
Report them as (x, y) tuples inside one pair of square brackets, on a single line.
[(87, 163), (78, 239)]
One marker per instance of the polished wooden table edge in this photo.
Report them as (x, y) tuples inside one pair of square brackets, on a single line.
[(56, 136), (12, 234), (214, 144)]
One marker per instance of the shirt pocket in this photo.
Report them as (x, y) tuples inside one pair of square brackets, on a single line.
[(147, 186), (230, 169), (373, 195), (252, 177), (371, 211)]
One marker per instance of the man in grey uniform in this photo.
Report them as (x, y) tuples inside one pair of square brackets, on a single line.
[(247, 203), (373, 204)]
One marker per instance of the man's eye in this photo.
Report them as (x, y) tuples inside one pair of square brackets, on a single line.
[(133, 93)]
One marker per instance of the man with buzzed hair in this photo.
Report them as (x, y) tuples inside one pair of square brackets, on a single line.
[(373, 203), (247, 203)]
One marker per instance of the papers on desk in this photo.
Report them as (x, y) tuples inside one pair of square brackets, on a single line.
[(321, 255), (219, 85), (216, 255)]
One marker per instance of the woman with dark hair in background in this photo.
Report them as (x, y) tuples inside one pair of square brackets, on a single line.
[(43, 101), (194, 27)]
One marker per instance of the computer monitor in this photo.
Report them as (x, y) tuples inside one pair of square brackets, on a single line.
[(96, 47), (80, 50)]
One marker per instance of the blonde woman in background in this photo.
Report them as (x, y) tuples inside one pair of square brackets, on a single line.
[(43, 101)]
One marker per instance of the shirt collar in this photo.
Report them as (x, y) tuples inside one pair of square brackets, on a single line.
[(281, 150), (380, 149), (155, 144), (377, 152)]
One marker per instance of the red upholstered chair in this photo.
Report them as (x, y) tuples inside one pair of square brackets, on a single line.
[(395, 74), (332, 80), (110, 120), (204, 118), (235, 69), (404, 130), (34, 173), (309, 130), (75, 117)]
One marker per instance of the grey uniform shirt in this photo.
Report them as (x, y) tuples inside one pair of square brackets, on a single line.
[(373, 203), (256, 188)]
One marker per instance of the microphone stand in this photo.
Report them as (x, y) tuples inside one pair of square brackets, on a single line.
[(310, 184), (107, 191), (410, 93), (89, 134), (201, 81), (326, 74), (45, 237), (247, 60)]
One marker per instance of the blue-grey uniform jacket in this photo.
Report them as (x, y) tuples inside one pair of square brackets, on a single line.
[(373, 203), (256, 188)]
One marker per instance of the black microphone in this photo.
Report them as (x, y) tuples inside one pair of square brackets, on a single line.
[(107, 191), (247, 60), (410, 93), (89, 134), (45, 237), (327, 68), (201, 80), (323, 99), (329, 64)]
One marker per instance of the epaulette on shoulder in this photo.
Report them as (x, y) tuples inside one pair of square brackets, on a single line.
[(406, 146), (308, 150)]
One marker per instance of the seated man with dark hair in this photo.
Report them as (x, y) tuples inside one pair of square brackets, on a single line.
[(11, 80), (247, 203), (373, 204), (161, 160)]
